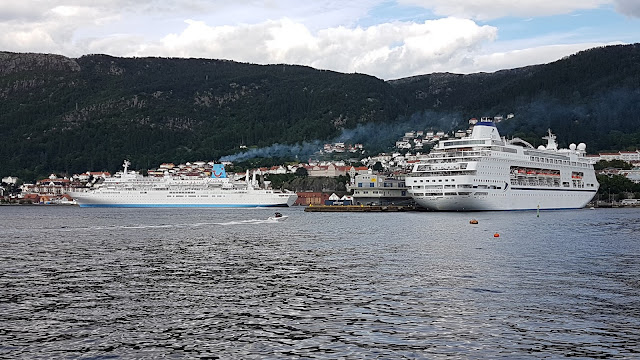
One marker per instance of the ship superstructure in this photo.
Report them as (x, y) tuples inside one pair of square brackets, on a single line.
[(487, 172), (131, 189)]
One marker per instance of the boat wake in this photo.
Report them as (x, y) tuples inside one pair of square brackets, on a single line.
[(227, 223), (245, 222), (71, 229)]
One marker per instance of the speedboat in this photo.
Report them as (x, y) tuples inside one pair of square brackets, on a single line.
[(278, 217)]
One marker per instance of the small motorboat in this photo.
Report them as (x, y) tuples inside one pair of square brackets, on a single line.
[(278, 217)]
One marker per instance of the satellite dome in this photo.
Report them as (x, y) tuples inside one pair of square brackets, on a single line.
[(541, 147), (582, 146), (572, 146)]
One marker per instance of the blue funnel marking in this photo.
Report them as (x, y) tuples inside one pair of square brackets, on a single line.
[(218, 171)]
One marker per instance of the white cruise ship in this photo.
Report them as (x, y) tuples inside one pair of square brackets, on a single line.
[(487, 172), (131, 189)]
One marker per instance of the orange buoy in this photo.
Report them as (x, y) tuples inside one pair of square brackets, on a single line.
[(473, 221), (496, 235)]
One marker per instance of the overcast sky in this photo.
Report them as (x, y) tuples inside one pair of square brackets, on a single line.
[(386, 38)]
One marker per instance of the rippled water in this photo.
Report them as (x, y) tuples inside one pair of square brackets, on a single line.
[(228, 283)]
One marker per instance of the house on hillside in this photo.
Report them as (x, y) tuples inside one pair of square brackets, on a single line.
[(330, 170), (353, 171)]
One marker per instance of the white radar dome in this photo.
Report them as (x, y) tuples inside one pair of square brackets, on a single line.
[(541, 147), (572, 146), (582, 146)]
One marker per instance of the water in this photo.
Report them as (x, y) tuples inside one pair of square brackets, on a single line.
[(131, 283)]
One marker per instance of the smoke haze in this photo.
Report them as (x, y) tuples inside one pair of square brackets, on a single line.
[(375, 137)]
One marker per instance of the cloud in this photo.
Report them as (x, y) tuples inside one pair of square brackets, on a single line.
[(321, 34), (628, 7), (493, 9), (389, 50), (534, 55)]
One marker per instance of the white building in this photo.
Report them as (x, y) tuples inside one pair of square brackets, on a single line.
[(630, 156), (10, 180), (374, 189)]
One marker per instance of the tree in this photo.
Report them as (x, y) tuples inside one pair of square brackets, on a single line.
[(302, 172), (616, 164), (378, 166)]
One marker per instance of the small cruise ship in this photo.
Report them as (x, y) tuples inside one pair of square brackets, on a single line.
[(131, 189), (487, 172)]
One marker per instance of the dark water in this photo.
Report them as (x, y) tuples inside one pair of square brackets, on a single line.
[(131, 283)]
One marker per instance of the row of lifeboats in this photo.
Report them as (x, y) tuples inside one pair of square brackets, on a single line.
[(538, 173), (535, 173)]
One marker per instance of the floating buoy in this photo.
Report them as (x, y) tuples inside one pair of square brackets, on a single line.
[(473, 221), (496, 235)]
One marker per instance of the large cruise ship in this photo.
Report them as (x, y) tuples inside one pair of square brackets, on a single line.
[(131, 189), (487, 172)]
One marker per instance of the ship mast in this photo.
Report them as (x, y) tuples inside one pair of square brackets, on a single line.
[(551, 141)]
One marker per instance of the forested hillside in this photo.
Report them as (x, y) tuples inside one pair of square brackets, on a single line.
[(71, 115), (592, 96)]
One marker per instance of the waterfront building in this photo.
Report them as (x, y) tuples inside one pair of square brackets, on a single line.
[(378, 189)]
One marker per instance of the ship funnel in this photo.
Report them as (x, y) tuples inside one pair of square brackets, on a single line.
[(218, 171), (485, 129)]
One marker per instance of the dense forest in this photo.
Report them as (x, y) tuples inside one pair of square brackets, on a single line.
[(66, 115)]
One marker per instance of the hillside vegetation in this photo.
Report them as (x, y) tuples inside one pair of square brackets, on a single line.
[(70, 115)]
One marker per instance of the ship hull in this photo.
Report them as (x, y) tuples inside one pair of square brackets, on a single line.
[(153, 199), (509, 200)]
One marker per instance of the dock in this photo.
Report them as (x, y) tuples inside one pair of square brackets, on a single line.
[(358, 208)]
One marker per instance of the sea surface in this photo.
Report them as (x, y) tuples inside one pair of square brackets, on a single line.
[(228, 283)]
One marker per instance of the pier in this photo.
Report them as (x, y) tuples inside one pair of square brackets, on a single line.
[(358, 208)]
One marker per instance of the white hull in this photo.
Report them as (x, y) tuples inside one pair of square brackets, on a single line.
[(509, 200), (278, 218), (153, 198)]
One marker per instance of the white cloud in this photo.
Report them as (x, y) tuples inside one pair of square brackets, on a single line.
[(529, 56), (493, 9), (321, 34), (387, 50)]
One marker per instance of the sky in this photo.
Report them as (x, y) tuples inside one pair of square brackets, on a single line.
[(389, 39)]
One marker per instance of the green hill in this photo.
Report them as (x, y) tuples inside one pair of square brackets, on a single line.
[(71, 115)]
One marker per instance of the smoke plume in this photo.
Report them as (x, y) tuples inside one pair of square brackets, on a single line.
[(374, 137)]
